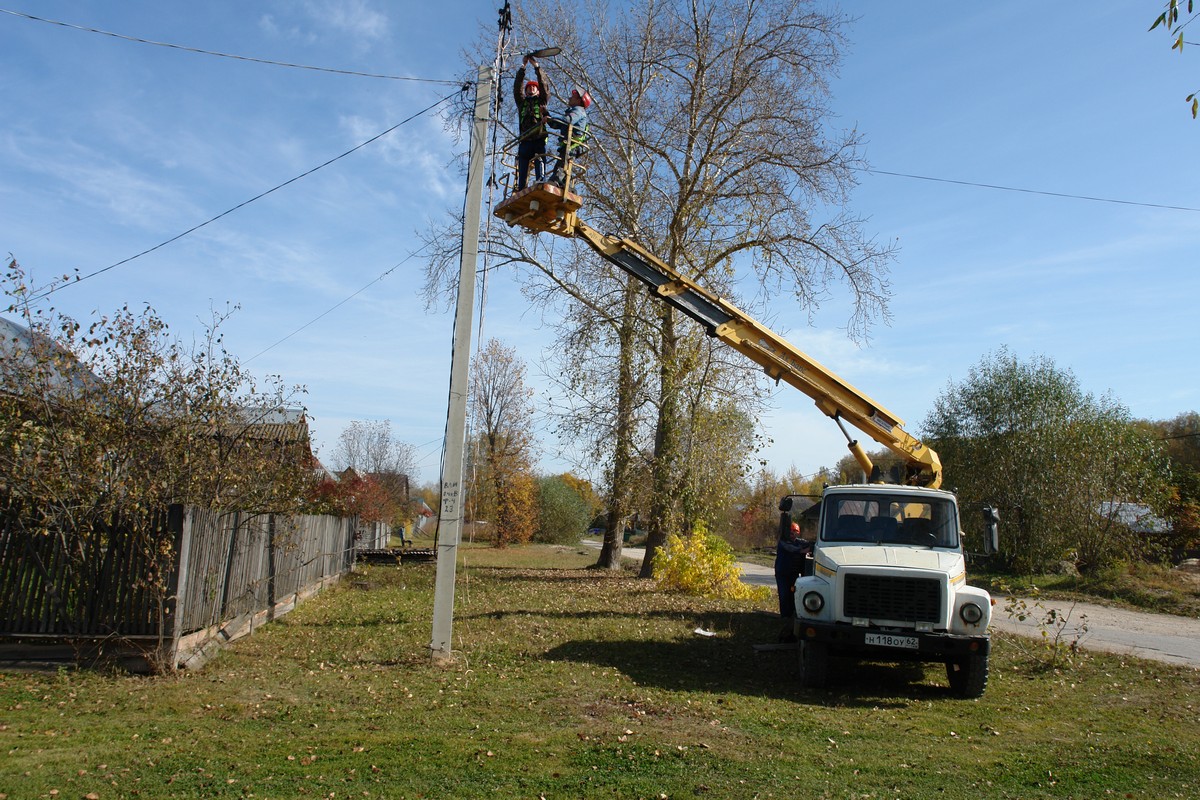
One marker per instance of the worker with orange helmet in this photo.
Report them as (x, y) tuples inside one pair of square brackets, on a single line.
[(531, 97), (790, 553)]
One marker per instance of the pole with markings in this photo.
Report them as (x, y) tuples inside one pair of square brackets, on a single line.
[(451, 513)]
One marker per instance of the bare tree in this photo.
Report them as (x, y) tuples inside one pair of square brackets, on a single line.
[(711, 147), (369, 447)]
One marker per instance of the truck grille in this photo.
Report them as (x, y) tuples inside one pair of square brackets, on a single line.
[(888, 597)]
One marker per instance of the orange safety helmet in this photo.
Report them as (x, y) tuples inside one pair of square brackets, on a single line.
[(795, 527), (531, 85), (585, 99)]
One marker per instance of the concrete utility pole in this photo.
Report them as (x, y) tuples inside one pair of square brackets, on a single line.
[(450, 517)]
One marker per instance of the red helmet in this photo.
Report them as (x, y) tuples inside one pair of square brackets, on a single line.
[(585, 99), (795, 527), (531, 85)]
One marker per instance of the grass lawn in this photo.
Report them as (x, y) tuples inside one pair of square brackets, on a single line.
[(572, 683)]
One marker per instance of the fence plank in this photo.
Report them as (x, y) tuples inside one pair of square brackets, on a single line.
[(222, 567)]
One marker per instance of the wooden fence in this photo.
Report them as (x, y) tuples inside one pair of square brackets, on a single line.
[(108, 596)]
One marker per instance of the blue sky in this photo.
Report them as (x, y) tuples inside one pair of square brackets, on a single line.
[(109, 147)]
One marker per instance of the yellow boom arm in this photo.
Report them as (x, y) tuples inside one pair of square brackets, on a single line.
[(778, 357)]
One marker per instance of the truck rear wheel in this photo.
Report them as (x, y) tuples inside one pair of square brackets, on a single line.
[(814, 664), (968, 675)]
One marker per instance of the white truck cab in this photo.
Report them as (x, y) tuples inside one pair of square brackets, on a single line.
[(889, 582)]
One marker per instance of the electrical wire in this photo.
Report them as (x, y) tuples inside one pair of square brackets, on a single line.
[(341, 303), (243, 204), (505, 26), (224, 55), (1025, 191)]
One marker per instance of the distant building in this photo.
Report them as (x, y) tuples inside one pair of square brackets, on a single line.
[(22, 349), (282, 431), (1135, 516)]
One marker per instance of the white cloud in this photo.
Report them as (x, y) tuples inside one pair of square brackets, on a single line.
[(421, 150), (80, 175), (355, 17), (268, 24)]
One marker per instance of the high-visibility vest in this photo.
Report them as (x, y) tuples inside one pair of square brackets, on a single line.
[(532, 117)]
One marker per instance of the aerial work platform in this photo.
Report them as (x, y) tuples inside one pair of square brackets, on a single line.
[(546, 207), (541, 207)]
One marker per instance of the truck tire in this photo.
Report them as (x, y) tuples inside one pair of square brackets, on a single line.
[(814, 665), (968, 675)]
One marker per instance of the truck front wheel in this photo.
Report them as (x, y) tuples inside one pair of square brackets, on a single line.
[(968, 675), (814, 664)]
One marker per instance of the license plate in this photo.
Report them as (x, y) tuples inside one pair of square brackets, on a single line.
[(891, 640)]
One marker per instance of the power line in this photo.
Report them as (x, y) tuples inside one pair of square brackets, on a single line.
[(243, 204), (337, 305), (1025, 191), (224, 55)]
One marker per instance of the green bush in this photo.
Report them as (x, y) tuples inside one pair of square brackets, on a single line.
[(564, 513)]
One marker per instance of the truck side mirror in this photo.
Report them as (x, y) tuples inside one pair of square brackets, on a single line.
[(991, 537)]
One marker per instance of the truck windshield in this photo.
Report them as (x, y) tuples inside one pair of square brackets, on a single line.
[(883, 519)]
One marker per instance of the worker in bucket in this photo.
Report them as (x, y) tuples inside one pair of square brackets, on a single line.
[(576, 119), (531, 97)]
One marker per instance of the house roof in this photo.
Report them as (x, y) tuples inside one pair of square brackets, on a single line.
[(19, 343), (275, 424), (1135, 516)]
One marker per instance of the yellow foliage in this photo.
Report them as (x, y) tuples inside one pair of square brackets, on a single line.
[(702, 564)]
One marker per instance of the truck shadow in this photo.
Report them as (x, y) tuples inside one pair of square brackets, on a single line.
[(729, 663)]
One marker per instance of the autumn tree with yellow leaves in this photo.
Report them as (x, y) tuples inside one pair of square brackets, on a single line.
[(502, 490)]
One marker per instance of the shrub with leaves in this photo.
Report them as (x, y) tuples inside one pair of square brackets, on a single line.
[(564, 512), (104, 424), (118, 417), (702, 564), (1061, 631), (1058, 462), (354, 496)]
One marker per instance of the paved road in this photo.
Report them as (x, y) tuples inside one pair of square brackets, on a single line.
[(1160, 637)]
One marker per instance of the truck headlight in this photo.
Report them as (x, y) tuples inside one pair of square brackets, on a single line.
[(970, 613), (813, 602)]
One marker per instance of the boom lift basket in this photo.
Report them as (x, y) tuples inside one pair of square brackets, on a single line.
[(545, 206), (541, 207)]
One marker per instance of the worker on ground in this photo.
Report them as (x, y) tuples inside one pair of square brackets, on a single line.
[(531, 99), (790, 553), (576, 120)]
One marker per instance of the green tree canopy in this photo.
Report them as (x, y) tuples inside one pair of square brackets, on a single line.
[(1181, 438), (1058, 462)]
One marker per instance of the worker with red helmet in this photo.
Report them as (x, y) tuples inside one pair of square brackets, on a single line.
[(531, 97), (575, 119)]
